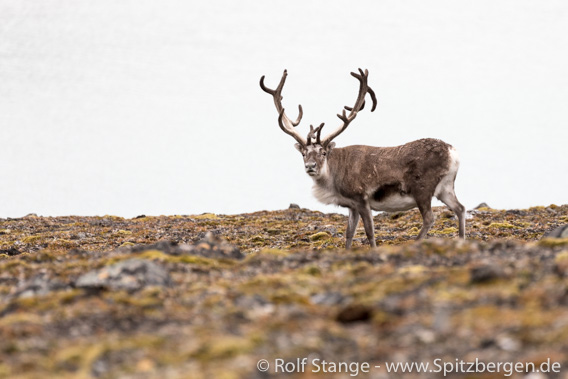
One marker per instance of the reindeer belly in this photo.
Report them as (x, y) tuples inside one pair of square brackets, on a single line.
[(393, 203), (392, 198)]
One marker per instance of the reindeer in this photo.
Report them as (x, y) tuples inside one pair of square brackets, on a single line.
[(365, 178)]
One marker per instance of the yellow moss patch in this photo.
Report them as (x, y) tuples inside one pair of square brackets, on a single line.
[(274, 252), (224, 347), (257, 240), (206, 216), (562, 256), (553, 242), (140, 301), (450, 230), (4, 370), (194, 259), (320, 236), (142, 219), (62, 244), (83, 357), (412, 270), (22, 317), (503, 225), (32, 239), (413, 231)]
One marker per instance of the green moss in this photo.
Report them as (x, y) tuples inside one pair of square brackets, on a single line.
[(312, 270), (257, 240), (274, 232)]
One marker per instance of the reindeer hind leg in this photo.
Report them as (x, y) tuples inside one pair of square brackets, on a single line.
[(448, 197)]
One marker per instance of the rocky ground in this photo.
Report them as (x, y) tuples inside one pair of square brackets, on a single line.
[(208, 296)]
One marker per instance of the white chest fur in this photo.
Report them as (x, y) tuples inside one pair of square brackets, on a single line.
[(326, 194)]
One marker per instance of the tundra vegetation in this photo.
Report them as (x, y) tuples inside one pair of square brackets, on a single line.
[(207, 296)]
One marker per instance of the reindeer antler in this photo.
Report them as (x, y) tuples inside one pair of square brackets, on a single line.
[(315, 133), (359, 105), (284, 122)]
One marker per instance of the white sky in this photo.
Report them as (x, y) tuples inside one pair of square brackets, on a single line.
[(153, 107)]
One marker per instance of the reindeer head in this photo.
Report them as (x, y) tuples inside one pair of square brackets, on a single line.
[(315, 150), (315, 153)]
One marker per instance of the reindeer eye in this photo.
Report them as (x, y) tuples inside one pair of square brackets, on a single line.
[(324, 153)]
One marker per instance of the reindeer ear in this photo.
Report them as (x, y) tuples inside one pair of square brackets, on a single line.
[(330, 146), (298, 147)]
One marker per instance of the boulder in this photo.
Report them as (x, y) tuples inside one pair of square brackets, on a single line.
[(559, 232), (131, 275)]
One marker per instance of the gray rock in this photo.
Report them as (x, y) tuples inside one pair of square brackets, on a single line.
[(39, 285), (131, 275), (482, 205), (328, 298), (559, 232), (294, 206), (211, 246)]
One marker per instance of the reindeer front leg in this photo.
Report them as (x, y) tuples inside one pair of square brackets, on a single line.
[(351, 227)]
